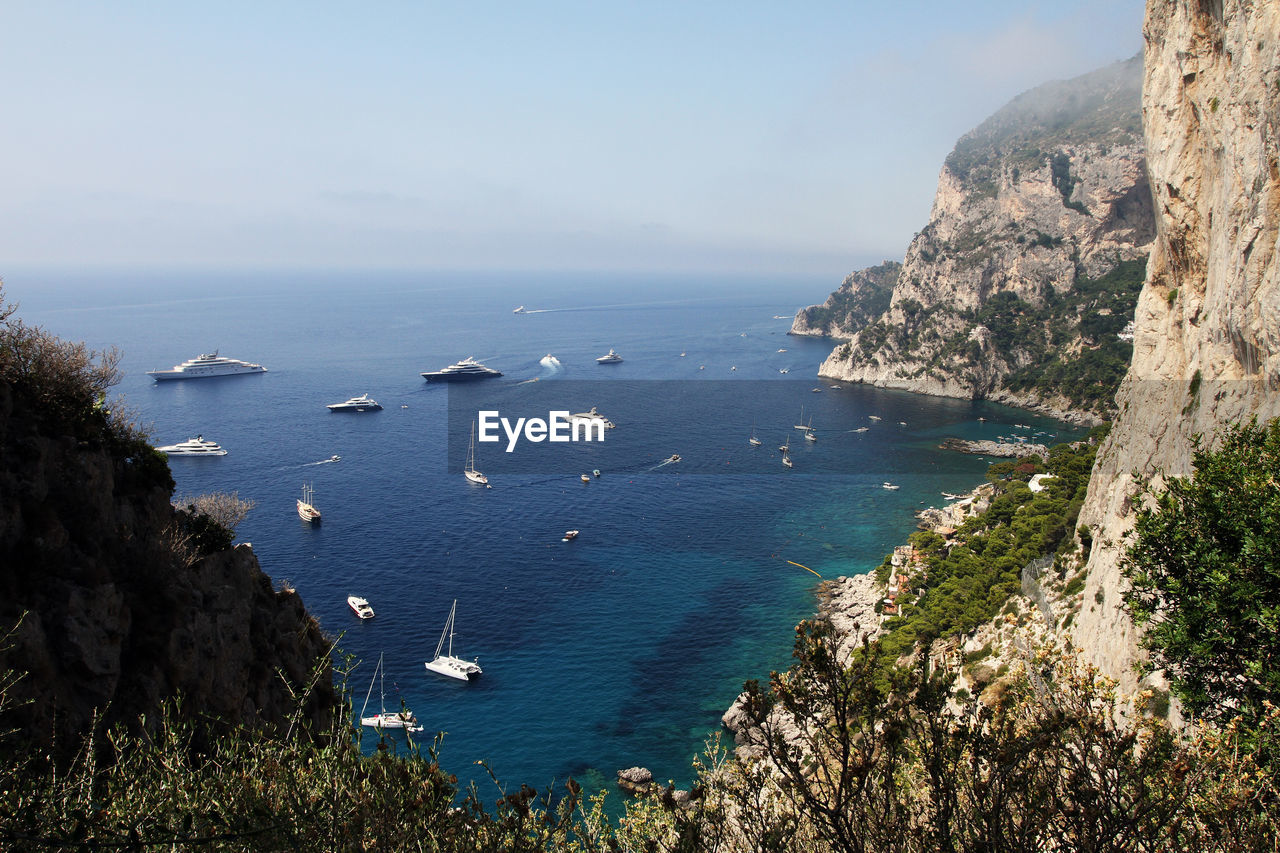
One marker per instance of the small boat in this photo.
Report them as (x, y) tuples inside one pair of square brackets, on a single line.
[(198, 446), (873, 417), (595, 472), (674, 457), (733, 367), (445, 663), (335, 458), (785, 447), (951, 497), (586, 479), (816, 390), (363, 403), (470, 471), (862, 429), (810, 435), (361, 606), (610, 357), (683, 354), (306, 511), (570, 535), (890, 486), (782, 350), (753, 441), (403, 719), (786, 460), (785, 370), (519, 310)]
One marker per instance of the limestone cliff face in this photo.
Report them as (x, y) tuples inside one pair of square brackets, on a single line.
[(1207, 327), (108, 620), (862, 297), (1046, 193)]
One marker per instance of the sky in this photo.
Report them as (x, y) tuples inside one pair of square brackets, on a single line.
[(694, 136)]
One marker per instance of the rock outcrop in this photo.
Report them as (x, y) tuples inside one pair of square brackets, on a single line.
[(1034, 210), (110, 618), (1207, 327), (862, 297)]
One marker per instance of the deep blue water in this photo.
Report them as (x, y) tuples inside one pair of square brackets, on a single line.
[(621, 648)]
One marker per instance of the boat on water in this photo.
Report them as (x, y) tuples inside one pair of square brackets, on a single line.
[(205, 366), (402, 719), (862, 429), (586, 479), (198, 446), (306, 511), (610, 357), (595, 472), (363, 403), (873, 417), (683, 354), (674, 457), (470, 471), (361, 606), (462, 371), (570, 535), (890, 486), (335, 458), (785, 370), (810, 435), (444, 662), (591, 417), (754, 441), (785, 447), (784, 349), (786, 460), (520, 310)]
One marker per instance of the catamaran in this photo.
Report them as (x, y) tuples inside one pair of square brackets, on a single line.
[(445, 663), (403, 719)]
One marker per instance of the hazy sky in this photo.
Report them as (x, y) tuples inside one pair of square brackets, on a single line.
[(801, 136)]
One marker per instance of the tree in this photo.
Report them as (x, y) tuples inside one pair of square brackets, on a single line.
[(1205, 576)]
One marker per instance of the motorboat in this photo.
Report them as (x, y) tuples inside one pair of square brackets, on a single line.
[(306, 511), (520, 310), (444, 662), (570, 535), (586, 479), (591, 417), (198, 446), (610, 357), (674, 457), (462, 371), (862, 429), (402, 719), (361, 606), (335, 458), (363, 403), (595, 472), (890, 486), (205, 366), (785, 370), (470, 471), (782, 350)]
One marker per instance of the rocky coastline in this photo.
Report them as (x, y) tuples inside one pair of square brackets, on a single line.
[(1010, 449)]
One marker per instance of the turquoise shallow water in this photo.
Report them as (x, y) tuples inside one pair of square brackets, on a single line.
[(621, 648)]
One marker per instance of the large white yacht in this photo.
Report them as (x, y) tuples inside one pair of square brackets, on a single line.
[(197, 446), (208, 364), (610, 357), (363, 403), (462, 371)]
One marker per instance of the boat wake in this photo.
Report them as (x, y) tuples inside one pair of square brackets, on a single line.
[(550, 361), (330, 460)]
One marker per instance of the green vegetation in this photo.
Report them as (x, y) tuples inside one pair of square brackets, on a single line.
[(1205, 578), (1095, 309), (863, 296), (970, 579)]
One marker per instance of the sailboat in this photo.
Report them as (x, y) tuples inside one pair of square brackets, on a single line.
[(786, 460), (306, 511), (470, 471), (445, 663), (753, 441), (809, 434), (785, 446), (403, 719)]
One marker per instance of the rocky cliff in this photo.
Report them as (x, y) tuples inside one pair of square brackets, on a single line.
[(1207, 327), (118, 599), (1035, 208)]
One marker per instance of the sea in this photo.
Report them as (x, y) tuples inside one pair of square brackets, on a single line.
[(620, 648)]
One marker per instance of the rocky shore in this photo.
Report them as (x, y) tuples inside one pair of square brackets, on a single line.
[(1012, 449)]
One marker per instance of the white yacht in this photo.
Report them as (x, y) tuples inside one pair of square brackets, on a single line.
[(591, 417), (462, 371), (444, 662), (208, 364), (198, 446), (402, 719), (470, 471), (610, 357), (361, 606), (890, 486), (363, 403), (520, 310), (306, 511)]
